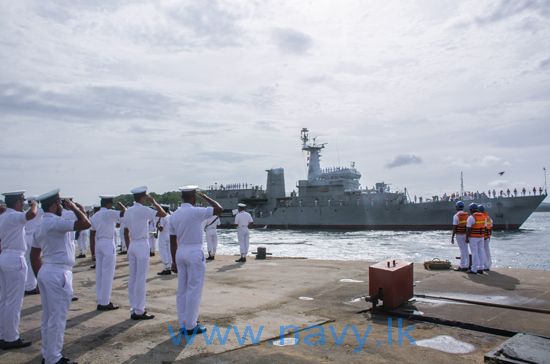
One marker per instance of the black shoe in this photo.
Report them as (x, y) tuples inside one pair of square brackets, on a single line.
[(122, 253), (152, 254), (165, 272), (241, 260), (92, 267), (199, 329), (487, 270), (471, 272), (74, 299), (81, 256), (145, 316), (66, 361), (32, 292), (109, 307), (210, 257), (17, 344)]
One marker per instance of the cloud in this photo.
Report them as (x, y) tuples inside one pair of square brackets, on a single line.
[(292, 41), (403, 160), (505, 9), (499, 183)]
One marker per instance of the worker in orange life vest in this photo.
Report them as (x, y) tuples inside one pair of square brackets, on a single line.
[(487, 238), (459, 231), (475, 234)]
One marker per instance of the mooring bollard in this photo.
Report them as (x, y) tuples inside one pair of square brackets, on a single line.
[(261, 253)]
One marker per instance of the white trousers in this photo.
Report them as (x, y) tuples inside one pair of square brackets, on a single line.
[(243, 235), (191, 268), (486, 249), (30, 282), (122, 241), (152, 244), (478, 254), (83, 237), (138, 259), (56, 292), (165, 252), (13, 273), (105, 260), (212, 241), (464, 255)]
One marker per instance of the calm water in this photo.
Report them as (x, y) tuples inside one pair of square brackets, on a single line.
[(527, 248)]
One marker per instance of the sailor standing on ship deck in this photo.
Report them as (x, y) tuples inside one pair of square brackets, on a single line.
[(475, 233), (136, 236), (102, 234), (243, 220), (13, 268), (187, 256), (459, 231)]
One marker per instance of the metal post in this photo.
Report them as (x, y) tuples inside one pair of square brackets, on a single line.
[(461, 185), (545, 186)]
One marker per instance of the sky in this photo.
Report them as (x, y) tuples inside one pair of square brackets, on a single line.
[(98, 97)]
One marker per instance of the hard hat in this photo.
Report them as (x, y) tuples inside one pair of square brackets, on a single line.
[(481, 208), (459, 205), (473, 207)]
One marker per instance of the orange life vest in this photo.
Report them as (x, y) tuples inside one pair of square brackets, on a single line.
[(478, 228), (489, 226), (462, 219)]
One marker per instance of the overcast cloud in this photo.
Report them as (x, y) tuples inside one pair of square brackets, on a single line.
[(101, 96)]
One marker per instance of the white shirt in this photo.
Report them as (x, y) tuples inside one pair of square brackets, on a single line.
[(211, 223), (103, 223), (165, 233), (12, 230), (136, 220), (471, 221), (243, 218), (32, 225), (71, 216), (52, 238), (186, 223)]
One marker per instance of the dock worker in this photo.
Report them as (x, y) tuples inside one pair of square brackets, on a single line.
[(459, 231), (102, 233), (13, 267), (211, 233), (164, 242), (54, 270), (136, 235), (486, 239), (244, 221), (187, 256), (475, 233), (31, 285)]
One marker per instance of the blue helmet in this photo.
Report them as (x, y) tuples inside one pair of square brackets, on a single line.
[(481, 208), (459, 205), (473, 207)]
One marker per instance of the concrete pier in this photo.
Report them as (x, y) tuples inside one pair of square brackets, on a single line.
[(295, 295)]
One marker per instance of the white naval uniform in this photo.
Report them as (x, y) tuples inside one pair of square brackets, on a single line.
[(83, 238), (242, 219), (103, 223), (70, 215), (186, 225), (30, 228), (55, 280), (152, 239), (461, 241), (164, 243), (211, 233), (136, 219), (13, 272), (121, 235), (476, 247)]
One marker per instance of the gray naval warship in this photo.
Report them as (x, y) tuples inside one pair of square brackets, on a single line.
[(332, 198)]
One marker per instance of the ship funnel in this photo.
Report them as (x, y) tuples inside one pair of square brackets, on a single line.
[(275, 183)]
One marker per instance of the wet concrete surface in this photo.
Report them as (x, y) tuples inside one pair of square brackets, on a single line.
[(267, 294)]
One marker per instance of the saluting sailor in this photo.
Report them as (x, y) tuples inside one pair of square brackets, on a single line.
[(102, 234), (54, 270), (243, 220), (136, 235), (187, 255), (211, 233), (31, 285), (164, 242), (13, 268), (459, 231)]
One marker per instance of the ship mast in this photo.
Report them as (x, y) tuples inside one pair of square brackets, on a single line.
[(314, 149), (461, 184)]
